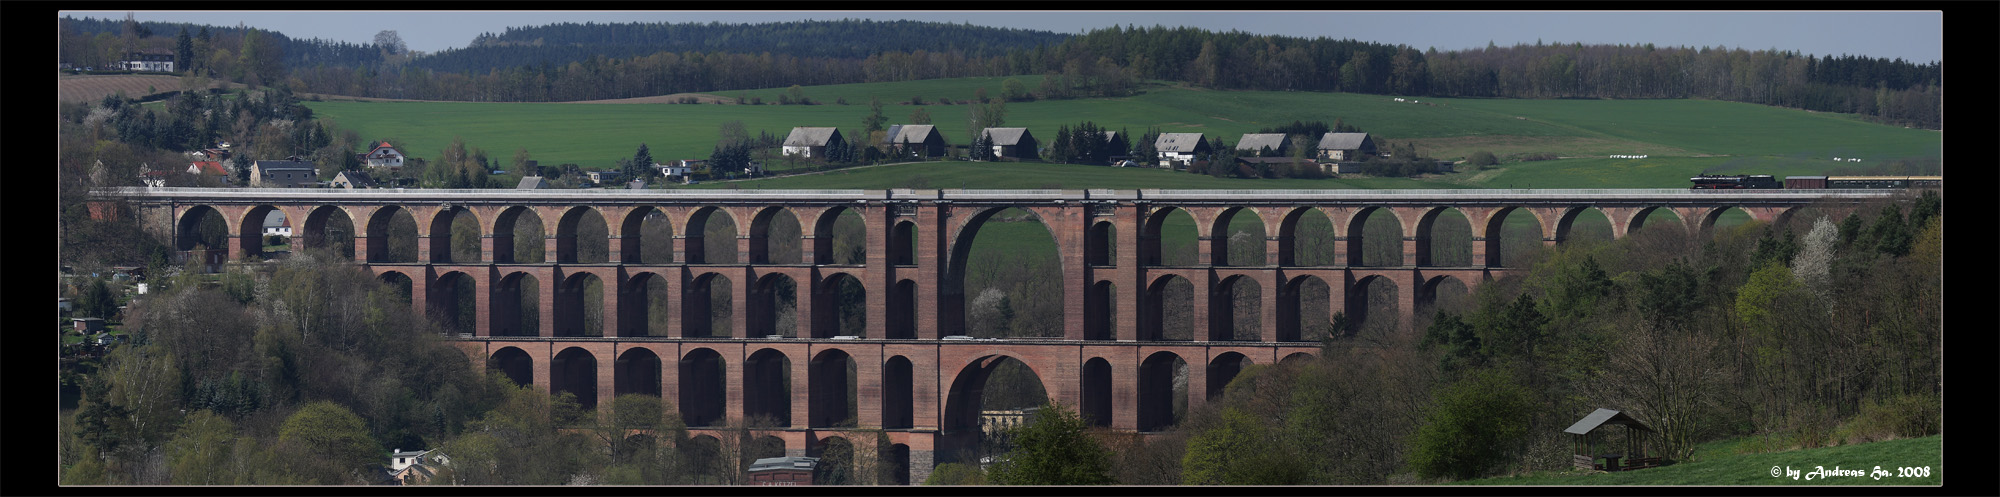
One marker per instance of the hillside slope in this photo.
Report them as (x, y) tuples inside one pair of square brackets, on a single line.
[(1681, 137)]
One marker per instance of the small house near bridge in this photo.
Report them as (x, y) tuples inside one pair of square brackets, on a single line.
[(1589, 445)]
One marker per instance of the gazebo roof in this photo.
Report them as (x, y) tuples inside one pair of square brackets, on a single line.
[(1603, 417)]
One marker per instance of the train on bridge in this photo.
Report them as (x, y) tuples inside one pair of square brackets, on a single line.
[(1767, 182)]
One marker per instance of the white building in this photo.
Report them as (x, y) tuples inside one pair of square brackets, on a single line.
[(415, 467), (277, 224), (383, 156), (1179, 147), (811, 142), (151, 62)]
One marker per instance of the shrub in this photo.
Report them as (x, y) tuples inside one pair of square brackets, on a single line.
[(1475, 426), (956, 474), (1905, 416), (1054, 449), (1536, 156), (1482, 159)]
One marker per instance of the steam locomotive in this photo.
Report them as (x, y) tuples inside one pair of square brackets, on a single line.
[(1766, 181)]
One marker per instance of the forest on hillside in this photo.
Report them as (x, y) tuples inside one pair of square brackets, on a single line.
[(561, 43), (571, 62)]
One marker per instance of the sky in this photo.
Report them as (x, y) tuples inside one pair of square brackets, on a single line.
[(1916, 36)]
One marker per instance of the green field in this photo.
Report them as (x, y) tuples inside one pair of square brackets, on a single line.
[(1681, 137), (1716, 464)]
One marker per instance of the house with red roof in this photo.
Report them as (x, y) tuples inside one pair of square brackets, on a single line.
[(210, 168), (383, 155)]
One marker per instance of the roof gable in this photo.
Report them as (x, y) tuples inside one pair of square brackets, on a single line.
[(1344, 141), (811, 137), (911, 133), (1259, 141), (1179, 142), (1602, 417), (1008, 136), (356, 179)]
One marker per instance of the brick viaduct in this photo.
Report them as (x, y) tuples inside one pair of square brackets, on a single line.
[(909, 381)]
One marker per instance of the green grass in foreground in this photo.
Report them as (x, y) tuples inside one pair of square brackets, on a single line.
[(1715, 465)]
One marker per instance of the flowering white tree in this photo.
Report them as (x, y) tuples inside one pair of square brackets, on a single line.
[(1815, 258)]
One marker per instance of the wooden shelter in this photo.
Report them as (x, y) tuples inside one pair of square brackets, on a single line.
[(1589, 446)]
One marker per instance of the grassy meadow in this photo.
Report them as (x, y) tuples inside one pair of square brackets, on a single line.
[(1681, 137), (1717, 463)]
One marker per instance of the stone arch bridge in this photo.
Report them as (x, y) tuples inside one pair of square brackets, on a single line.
[(907, 373)]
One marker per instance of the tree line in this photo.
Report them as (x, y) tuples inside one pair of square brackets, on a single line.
[(561, 43)]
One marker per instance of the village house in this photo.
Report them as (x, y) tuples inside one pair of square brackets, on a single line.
[(415, 467), (682, 170), (1013, 143), (352, 180), (277, 224), (532, 183), (210, 168), (1253, 143), (1346, 146), (812, 142), (1180, 147), (149, 61), (283, 173), (921, 140), (383, 156), (673, 170)]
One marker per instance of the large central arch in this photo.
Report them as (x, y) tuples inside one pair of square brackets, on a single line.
[(951, 298)]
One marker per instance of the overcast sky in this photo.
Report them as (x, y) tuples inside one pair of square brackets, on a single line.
[(1911, 35)]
